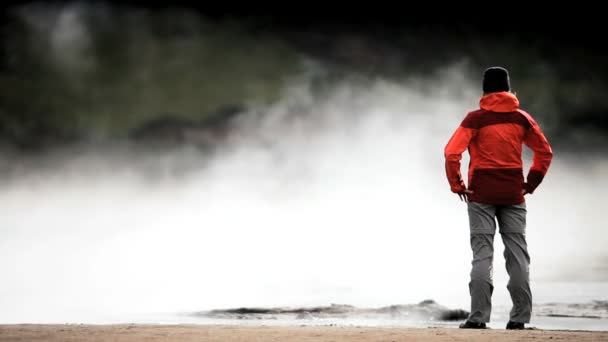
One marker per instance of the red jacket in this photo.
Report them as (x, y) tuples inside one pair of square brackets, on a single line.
[(494, 136)]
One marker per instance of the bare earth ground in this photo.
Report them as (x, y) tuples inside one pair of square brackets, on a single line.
[(136, 333)]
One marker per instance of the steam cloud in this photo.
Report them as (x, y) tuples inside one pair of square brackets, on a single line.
[(319, 197)]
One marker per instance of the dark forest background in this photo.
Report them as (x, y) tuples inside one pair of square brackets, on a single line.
[(91, 73)]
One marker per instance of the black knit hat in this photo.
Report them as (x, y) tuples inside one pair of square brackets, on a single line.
[(496, 79)]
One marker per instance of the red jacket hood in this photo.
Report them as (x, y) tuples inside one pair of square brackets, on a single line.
[(501, 102)]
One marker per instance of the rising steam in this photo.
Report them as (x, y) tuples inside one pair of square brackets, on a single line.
[(322, 196)]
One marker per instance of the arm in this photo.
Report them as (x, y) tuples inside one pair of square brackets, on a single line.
[(457, 144), (537, 142)]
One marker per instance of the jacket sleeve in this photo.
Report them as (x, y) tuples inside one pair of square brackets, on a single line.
[(537, 142), (457, 144)]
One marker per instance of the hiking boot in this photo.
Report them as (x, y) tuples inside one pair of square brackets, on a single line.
[(472, 325), (515, 326)]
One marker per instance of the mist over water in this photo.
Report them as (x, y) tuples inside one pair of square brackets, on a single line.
[(332, 198), (331, 193)]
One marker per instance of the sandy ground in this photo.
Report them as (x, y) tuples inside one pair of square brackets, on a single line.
[(138, 333)]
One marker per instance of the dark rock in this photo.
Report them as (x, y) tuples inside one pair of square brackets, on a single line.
[(427, 309), (453, 315)]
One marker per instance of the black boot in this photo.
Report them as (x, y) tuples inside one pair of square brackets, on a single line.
[(515, 326), (472, 325)]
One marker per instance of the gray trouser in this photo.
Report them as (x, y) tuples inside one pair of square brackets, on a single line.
[(512, 224)]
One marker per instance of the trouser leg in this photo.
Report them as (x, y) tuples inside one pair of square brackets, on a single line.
[(480, 286), (512, 221), (483, 226)]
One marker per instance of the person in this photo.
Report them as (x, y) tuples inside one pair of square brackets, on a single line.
[(493, 136)]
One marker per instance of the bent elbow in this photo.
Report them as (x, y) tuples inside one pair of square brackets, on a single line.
[(453, 157)]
